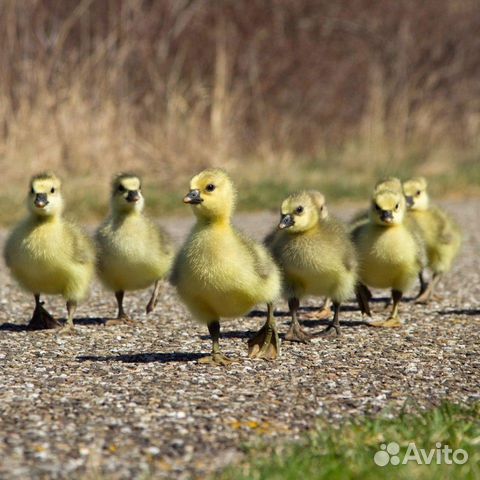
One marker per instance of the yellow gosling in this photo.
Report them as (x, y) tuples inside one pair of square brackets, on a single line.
[(390, 251), (220, 273), (48, 255), (133, 253), (441, 234), (316, 256)]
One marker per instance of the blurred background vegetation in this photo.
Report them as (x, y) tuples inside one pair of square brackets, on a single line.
[(285, 94)]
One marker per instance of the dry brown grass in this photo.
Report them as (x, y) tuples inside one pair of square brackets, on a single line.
[(284, 94)]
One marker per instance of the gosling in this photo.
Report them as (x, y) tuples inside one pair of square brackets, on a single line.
[(441, 235), (133, 253), (220, 273), (48, 255), (317, 258), (319, 201), (390, 251)]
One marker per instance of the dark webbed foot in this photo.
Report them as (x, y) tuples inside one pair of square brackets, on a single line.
[(331, 329), (265, 343), (334, 325), (297, 334), (122, 317), (41, 318)]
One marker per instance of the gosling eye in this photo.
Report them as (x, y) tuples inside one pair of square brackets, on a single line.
[(418, 192), (121, 188), (396, 206), (299, 210), (210, 187), (32, 191), (52, 190)]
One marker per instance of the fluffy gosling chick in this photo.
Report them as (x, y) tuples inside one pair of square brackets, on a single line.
[(48, 255), (221, 273), (441, 235), (390, 251), (133, 253), (316, 255), (298, 334)]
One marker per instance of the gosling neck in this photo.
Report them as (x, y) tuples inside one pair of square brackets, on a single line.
[(222, 221), (124, 214), (45, 219)]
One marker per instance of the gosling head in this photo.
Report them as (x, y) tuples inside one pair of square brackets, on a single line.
[(127, 193), (415, 191), (212, 195), (388, 207), (299, 212), (45, 198), (389, 183)]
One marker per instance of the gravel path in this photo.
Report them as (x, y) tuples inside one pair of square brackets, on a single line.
[(123, 402)]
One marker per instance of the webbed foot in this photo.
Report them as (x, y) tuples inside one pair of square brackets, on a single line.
[(121, 320), (332, 328), (325, 312), (297, 334), (265, 343), (42, 319), (68, 329), (217, 358), (391, 322), (425, 296)]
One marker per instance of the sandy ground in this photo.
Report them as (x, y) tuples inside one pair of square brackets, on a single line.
[(131, 401)]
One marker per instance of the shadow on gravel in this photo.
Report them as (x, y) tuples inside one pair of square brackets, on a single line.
[(461, 311), (144, 357), (12, 327), (344, 324), (87, 321)]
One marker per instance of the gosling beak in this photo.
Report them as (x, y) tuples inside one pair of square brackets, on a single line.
[(409, 200), (41, 200), (133, 196), (386, 216), (193, 197), (286, 221)]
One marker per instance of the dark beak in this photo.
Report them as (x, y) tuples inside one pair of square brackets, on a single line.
[(386, 216), (133, 196), (41, 200), (193, 197), (409, 201), (286, 222)]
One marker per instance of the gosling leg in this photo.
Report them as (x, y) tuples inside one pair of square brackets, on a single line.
[(326, 311), (363, 295), (427, 289), (295, 332), (265, 343), (394, 320), (41, 318), (69, 326), (217, 357), (153, 299), (335, 323), (122, 317)]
